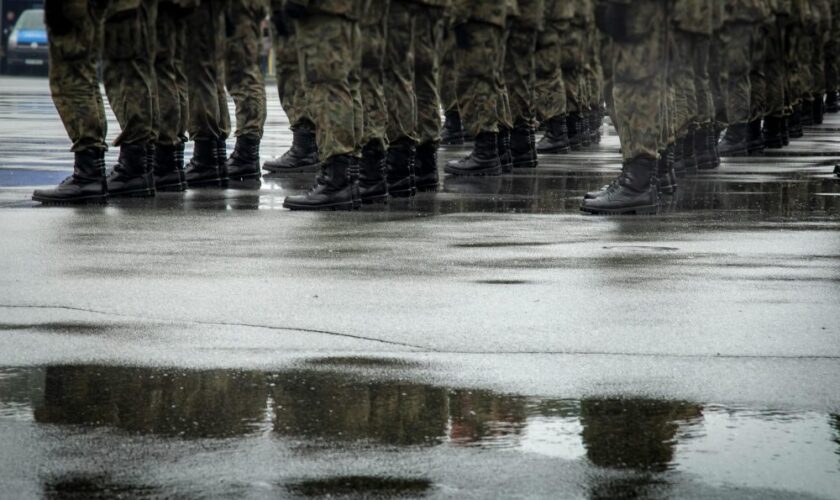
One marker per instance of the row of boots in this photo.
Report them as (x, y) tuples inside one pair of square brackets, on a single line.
[(142, 170)]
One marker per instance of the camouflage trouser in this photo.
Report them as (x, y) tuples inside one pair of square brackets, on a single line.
[(354, 79), (505, 115), (448, 78), (822, 40), (549, 89), (427, 48), (573, 60), (682, 79), (758, 75), (775, 69), (204, 61), (172, 99), (244, 76), (373, 75), (519, 72), (400, 94), (639, 81), (718, 76), (606, 46), (798, 69), (832, 51), (128, 71), (702, 83), (479, 95), (592, 69), (738, 42), (288, 74), (325, 46)]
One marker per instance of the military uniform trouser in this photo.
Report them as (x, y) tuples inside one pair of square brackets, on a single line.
[(75, 31), (702, 81), (549, 89), (775, 69), (448, 77), (244, 76), (572, 61), (288, 73), (738, 40), (832, 50), (208, 117), (479, 95), (718, 76), (375, 111), (519, 72), (758, 75), (593, 71), (798, 74), (639, 80), (169, 71), (682, 80), (325, 46)]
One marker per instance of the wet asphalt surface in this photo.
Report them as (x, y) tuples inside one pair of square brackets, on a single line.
[(484, 341)]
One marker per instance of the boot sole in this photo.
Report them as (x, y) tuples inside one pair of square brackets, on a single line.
[(555, 151), (645, 210), (525, 164), (171, 188), (218, 183), (137, 193), (245, 177), (85, 200), (474, 173), (347, 206), (296, 170)]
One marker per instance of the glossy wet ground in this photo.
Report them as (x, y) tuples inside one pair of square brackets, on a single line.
[(487, 340)]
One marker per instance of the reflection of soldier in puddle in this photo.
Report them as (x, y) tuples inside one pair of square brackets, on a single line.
[(192, 404), (636, 436), (329, 407), (480, 416)]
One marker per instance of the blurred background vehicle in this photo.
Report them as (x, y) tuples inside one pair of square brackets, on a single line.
[(26, 45)]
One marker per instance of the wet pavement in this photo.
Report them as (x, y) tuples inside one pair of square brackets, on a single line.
[(486, 340)]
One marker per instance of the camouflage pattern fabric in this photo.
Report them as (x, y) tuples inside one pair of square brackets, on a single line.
[(573, 58), (479, 94), (288, 71), (204, 62), (173, 104), (758, 78), (682, 80), (832, 50), (821, 40), (639, 81), (429, 25), (244, 76), (549, 88), (519, 72), (774, 67), (399, 72), (354, 80), (592, 68), (325, 44), (448, 77), (373, 74), (737, 40)]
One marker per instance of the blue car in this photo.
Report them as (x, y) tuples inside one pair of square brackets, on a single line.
[(27, 46)]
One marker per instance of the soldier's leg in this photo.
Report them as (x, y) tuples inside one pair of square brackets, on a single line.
[(549, 90), (478, 96), (205, 73), (738, 108), (573, 78), (128, 74), (171, 98), (325, 51), (74, 33), (246, 84), (682, 78), (519, 72), (758, 88), (595, 82), (427, 49), (303, 154), (373, 187), (453, 129), (400, 97), (640, 65), (774, 68), (705, 140), (832, 61)]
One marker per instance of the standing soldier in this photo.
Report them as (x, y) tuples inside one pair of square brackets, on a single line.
[(639, 52), (76, 29), (327, 32), (519, 71), (246, 84), (832, 62), (479, 37), (303, 155), (453, 129), (573, 61), (775, 70), (550, 91)]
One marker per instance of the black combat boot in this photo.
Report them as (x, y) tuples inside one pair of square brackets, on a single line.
[(556, 138), (819, 110), (665, 171), (679, 158), (636, 192), (203, 169), (301, 157), (131, 175), (453, 129), (574, 129), (773, 132), (806, 117), (755, 140), (712, 144), (426, 176), (373, 185), (786, 131), (503, 146), (689, 156), (522, 149), (703, 155), (832, 102), (596, 121), (221, 160), (795, 123), (734, 142), (837, 170), (168, 169), (585, 133), (334, 188), (484, 159), (399, 162), (86, 185), (244, 162)]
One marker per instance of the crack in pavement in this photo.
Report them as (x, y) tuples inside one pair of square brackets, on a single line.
[(220, 323), (421, 348)]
